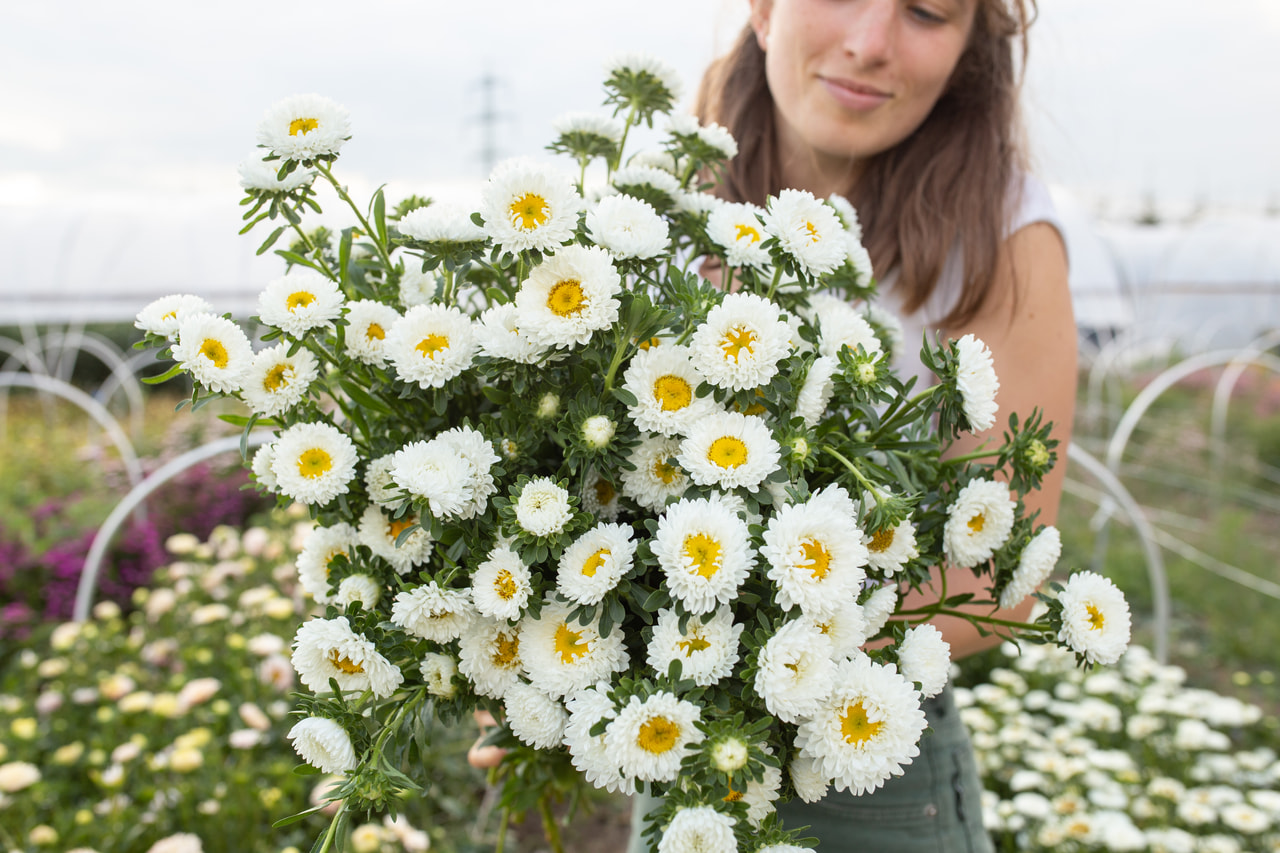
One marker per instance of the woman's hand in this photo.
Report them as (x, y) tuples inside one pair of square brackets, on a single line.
[(484, 757)]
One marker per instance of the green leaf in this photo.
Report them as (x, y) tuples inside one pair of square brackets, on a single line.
[(163, 377), (299, 260), (380, 215), (270, 241), (292, 819), (363, 398)]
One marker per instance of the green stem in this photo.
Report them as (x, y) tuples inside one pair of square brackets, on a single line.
[(315, 252), (908, 407), (549, 826), (930, 612), (773, 286), (727, 284), (969, 457), (447, 296), (853, 469), (622, 144), (364, 223), (621, 342), (332, 833), (502, 831)]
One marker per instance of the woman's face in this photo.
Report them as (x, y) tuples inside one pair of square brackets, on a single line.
[(853, 78)]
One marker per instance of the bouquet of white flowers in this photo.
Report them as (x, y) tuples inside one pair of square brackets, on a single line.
[(650, 522)]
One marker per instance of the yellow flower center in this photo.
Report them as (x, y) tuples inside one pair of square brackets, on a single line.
[(733, 796), (506, 651), (816, 557), (432, 344), (745, 231), (172, 315), (727, 452), (569, 644), (566, 298), (696, 643), (814, 236), (652, 342), (277, 377), (594, 562), (529, 211), (978, 522), (396, 526), (1096, 619), (303, 126), (735, 341), (213, 350), (344, 663), (374, 332), (672, 392), (702, 554), (658, 735), (315, 462), (330, 557), (301, 299), (664, 471), (604, 492), (881, 540), (855, 726), (505, 585)]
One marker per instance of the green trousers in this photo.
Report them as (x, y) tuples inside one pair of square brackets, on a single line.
[(934, 807)]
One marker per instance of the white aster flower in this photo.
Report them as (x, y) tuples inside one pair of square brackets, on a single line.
[(431, 344), (592, 566), (314, 462), (806, 775), (1034, 567), (526, 205), (568, 297), (877, 609), (597, 127), (978, 522), (815, 555), (1095, 618), (600, 497), (628, 227), (214, 351), (263, 459), (703, 548), (924, 657), (499, 335), (815, 393), (358, 587), (590, 753), (300, 301), (440, 223), (304, 127), (562, 656), (437, 673), (892, 334), (697, 205), (846, 628), (368, 323), (378, 482), (738, 229), (534, 717), (729, 450), (707, 651), (276, 381), (417, 287), (650, 69), (847, 213), (324, 744), (719, 138), (381, 533), (760, 793), (701, 829), (657, 158), (741, 342), (655, 476), (18, 775), (664, 381), (325, 649), (261, 175), (543, 508), (890, 548), (490, 656), (866, 730), (452, 471), (639, 180), (432, 613), (163, 316), (840, 325), (1244, 818), (795, 670), (977, 382), (650, 737), (500, 586), (808, 230), (729, 755), (598, 431)]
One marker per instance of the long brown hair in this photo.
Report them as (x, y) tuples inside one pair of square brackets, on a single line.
[(946, 184)]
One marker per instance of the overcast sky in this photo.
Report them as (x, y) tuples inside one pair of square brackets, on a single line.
[(107, 103)]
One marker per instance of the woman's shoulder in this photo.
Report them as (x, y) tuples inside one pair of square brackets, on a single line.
[(1030, 202)]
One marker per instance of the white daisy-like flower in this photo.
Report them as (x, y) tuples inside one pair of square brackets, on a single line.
[(324, 744), (437, 673), (417, 287), (877, 609), (868, 728), (568, 297), (563, 656), (163, 316), (500, 586), (703, 548), (592, 566), (655, 477), (701, 829), (978, 522), (650, 737), (741, 342), (808, 230), (647, 179), (1244, 818), (1095, 618), (543, 508), (707, 651), (600, 497), (477, 452), (489, 655), (795, 670), (440, 223), (300, 301), (598, 431), (737, 228), (627, 227), (368, 323), (261, 175), (760, 793), (599, 126), (682, 124), (451, 471), (432, 613), (816, 557), (848, 214), (890, 548), (806, 775), (815, 393), (534, 717), (977, 382), (214, 350), (718, 137), (589, 753), (1035, 565), (924, 657), (326, 649), (499, 335), (526, 205), (649, 68), (263, 458), (276, 381), (431, 344), (381, 533), (860, 260), (314, 462), (729, 755), (322, 546), (846, 628), (657, 158), (840, 325), (664, 382), (697, 204), (729, 450), (304, 127), (381, 487), (359, 587)]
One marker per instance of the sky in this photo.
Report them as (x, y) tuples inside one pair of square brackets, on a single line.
[(137, 102)]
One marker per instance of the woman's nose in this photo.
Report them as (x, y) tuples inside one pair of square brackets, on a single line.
[(868, 35)]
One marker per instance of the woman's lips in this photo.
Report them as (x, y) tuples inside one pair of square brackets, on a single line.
[(854, 96)]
